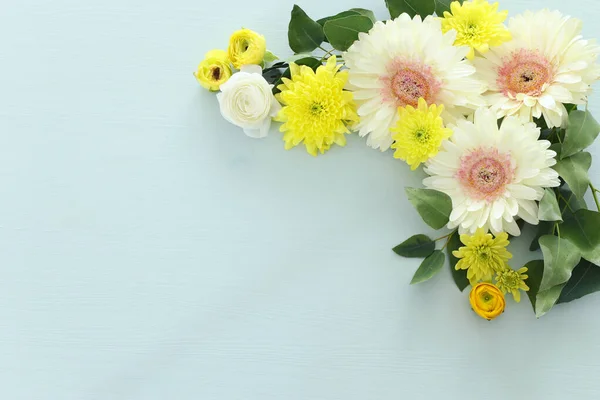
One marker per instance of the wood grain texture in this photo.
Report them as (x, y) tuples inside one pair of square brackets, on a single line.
[(151, 251)]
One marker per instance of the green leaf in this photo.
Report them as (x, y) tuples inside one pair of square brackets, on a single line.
[(543, 228), (433, 206), (582, 229), (352, 11), (549, 210), (542, 301), (459, 276), (560, 257), (574, 170), (411, 7), (270, 57), (585, 280), (570, 107), (429, 267), (581, 132), (568, 203), (342, 32), (415, 246), (304, 34), (443, 5)]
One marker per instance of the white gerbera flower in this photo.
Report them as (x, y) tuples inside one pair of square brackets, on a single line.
[(493, 175), (545, 65), (402, 60)]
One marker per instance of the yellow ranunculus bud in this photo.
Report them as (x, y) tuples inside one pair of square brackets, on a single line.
[(487, 300), (214, 70), (246, 47)]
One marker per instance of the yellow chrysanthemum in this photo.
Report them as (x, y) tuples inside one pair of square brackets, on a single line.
[(419, 133), (316, 108), (478, 23), (214, 70), (511, 281), (482, 255), (246, 47)]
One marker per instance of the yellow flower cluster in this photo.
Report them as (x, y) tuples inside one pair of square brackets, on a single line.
[(485, 258), (246, 47)]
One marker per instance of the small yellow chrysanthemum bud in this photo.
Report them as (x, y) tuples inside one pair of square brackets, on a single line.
[(487, 300), (246, 47), (214, 70)]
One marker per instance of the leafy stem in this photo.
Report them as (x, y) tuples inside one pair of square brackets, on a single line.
[(595, 195), (448, 236)]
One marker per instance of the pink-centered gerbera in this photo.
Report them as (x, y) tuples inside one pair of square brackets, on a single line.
[(403, 60), (493, 175), (546, 65)]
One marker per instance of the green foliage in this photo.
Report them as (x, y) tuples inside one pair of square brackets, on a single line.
[(583, 229), (270, 57), (415, 246), (411, 7), (352, 11), (542, 301), (433, 206), (574, 170), (429, 267), (581, 132), (549, 210), (543, 228), (304, 34), (459, 276), (560, 257), (443, 5), (285, 73), (342, 32), (584, 280)]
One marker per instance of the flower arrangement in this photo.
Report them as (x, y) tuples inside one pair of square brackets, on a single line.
[(493, 111)]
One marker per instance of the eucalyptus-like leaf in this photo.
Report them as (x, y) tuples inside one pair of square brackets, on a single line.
[(584, 280), (560, 257), (541, 301), (352, 11), (433, 206), (304, 34), (342, 32), (574, 170), (411, 7), (459, 276), (429, 267), (581, 132), (549, 210), (418, 246)]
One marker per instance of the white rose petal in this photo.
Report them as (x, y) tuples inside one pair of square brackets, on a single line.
[(246, 100)]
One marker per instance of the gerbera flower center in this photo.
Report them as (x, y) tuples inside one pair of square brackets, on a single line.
[(484, 173), (407, 81), (524, 71)]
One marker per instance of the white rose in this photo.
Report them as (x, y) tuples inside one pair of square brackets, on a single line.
[(247, 101)]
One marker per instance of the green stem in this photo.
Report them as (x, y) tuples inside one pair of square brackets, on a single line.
[(595, 194), (443, 237), (557, 229), (567, 205), (449, 236)]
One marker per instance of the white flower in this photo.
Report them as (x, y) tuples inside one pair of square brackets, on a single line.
[(493, 175), (545, 65), (247, 101), (398, 62)]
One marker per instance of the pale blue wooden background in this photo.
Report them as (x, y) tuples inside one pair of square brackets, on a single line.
[(149, 250)]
